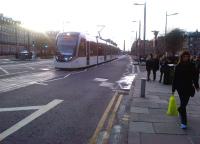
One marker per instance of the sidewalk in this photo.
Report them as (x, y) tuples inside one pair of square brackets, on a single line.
[(149, 123), (7, 57)]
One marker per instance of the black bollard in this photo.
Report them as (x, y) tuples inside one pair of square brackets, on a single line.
[(143, 87)]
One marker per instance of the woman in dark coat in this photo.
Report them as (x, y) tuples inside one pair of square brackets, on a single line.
[(155, 66), (149, 65), (185, 82), (163, 65)]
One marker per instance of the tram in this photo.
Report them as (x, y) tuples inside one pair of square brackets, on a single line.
[(76, 50)]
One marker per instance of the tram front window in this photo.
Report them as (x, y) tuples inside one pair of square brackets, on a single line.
[(66, 47)]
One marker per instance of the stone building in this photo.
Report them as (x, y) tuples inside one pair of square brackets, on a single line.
[(14, 38)]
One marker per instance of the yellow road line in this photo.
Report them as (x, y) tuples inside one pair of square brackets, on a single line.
[(102, 120), (112, 118)]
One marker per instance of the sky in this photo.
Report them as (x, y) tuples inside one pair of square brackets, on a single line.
[(115, 15)]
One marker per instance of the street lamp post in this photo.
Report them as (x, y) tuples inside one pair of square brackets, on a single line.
[(166, 20), (144, 4), (138, 39), (166, 26), (132, 46), (135, 35), (155, 32), (139, 28)]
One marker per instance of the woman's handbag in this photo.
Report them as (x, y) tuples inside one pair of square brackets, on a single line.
[(172, 107)]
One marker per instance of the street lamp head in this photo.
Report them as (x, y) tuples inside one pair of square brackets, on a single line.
[(100, 25), (172, 14), (138, 4), (175, 13), (155, 32)]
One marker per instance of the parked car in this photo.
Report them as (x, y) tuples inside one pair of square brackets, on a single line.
[(25, 54)]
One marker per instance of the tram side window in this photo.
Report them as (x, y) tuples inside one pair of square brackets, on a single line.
[(93, 49), (107, 50), (100, 50), (82, 48)]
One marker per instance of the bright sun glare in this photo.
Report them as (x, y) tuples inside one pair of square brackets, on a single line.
[(117, 16)]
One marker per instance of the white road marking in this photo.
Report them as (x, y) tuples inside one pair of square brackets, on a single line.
[(41, 83), (126, 81), (107, 84), (20, 108), (30, 67), (29, 118), (6, 84), (80, 72), (14, 73), (5, 71), (120, 86), (7, 62), (100, 79), (67, 75), (36, 63), (54, 79), (58, 78)]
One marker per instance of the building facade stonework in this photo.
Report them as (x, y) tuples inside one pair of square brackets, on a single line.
[(14, 38)]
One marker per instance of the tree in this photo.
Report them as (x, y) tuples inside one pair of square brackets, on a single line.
[(175, 40), (160, 45), (44, 45)]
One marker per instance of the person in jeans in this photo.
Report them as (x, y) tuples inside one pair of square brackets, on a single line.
[(163, 64), (185, 82)]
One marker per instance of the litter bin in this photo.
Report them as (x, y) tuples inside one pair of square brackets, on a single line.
[(169, 74)]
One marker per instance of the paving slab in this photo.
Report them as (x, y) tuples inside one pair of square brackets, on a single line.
[(149, 123), (139, 110), (143, 127), (195, 139), (151, 105), (157, 111), (152, 118), (155, 99), (169, 128), (164, 139), (134, 138)]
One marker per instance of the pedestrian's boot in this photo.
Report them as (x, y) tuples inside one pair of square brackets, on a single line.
[(183, 121), (183, 126)]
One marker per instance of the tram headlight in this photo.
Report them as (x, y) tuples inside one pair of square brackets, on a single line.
[(68, 58)]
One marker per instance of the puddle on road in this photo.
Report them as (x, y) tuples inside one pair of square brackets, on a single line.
[(126, 81)]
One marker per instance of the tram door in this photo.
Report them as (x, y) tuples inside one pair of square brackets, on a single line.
[(88, 53), (105, 57)]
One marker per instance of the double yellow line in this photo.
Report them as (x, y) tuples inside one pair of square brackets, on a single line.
[(111, 108)]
